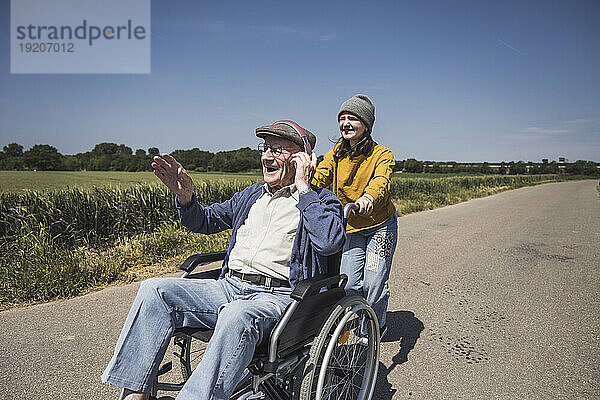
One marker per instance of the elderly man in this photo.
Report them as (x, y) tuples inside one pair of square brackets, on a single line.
[(282, 232)]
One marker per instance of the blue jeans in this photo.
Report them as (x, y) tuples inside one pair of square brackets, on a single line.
[(240, 313), (367, 260)]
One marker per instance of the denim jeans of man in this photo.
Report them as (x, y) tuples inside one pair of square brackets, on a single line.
[(367, 260), (240, 314)]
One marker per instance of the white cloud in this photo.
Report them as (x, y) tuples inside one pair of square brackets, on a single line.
[(328, 37), (159, 36), (367, 88), (535, 129), (502, 42), (284, 30), (217, 26), (578, 121), (222, 26)]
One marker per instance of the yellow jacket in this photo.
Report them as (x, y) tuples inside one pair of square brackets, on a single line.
[(353, 177)]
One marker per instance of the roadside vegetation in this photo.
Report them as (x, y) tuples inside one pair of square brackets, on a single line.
[(64, 242), (412, 194), (21, 181)]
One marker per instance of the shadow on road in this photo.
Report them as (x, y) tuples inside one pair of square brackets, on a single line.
[(405, 328)]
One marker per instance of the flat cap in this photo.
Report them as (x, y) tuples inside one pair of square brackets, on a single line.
[(282, 130)]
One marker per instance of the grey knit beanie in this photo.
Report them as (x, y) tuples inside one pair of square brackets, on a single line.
[(361, 106)]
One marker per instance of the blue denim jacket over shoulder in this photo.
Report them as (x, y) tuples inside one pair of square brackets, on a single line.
[(320, 233)]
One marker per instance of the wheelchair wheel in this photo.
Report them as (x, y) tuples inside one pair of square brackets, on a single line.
[(344, 357), (192, 352), (181, 358)]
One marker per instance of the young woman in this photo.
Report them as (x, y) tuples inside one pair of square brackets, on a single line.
[(359, 171)]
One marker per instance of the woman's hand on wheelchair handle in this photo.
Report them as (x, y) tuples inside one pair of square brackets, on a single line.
[(365, 205)]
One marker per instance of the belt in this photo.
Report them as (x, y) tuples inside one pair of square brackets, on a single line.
[(258, 279)]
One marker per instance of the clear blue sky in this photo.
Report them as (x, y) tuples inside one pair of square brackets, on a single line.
[(451, 80)]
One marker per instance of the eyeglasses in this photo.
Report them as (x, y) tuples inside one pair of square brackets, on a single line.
[(276, 149)]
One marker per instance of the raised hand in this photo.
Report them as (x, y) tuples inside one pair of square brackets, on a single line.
[(175, 177)]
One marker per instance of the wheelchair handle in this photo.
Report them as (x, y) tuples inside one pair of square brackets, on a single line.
[(350, 207)]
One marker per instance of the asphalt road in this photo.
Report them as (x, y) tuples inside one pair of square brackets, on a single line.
[(493, 298)]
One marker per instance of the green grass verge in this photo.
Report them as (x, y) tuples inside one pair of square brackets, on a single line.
[(414, 194), (34, 269)]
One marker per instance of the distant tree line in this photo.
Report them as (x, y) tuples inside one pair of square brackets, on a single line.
[(580, 167), (118, 157)]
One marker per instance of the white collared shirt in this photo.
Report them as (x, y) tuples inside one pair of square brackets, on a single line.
[(264, 241)]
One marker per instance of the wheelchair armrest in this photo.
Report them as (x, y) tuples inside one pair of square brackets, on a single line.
[(199, 259), (306, 287)]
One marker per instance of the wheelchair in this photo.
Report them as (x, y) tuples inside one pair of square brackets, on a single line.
[(325, 346)]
